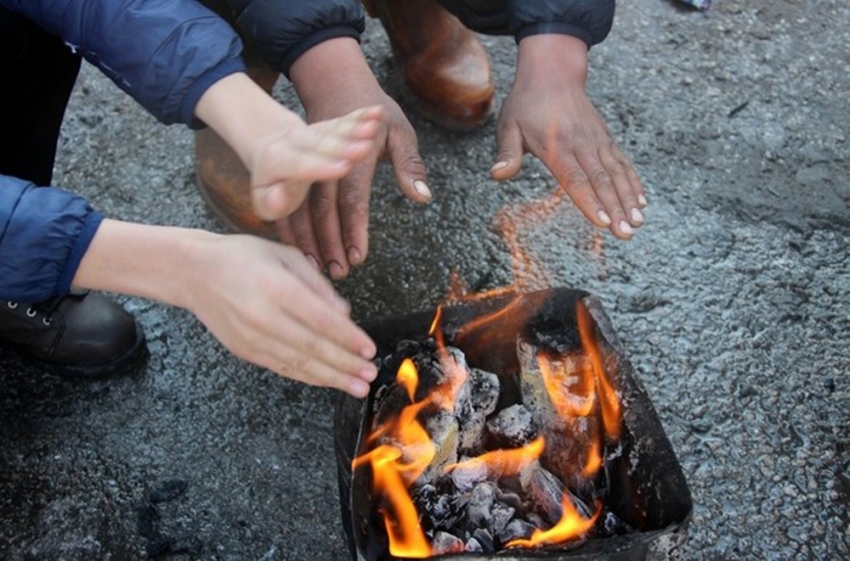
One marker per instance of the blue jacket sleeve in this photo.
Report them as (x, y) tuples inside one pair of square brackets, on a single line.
[(283, 30), (44, 233), (164, 53)]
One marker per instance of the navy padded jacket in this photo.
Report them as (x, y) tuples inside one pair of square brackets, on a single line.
[(589, 20), (165, 54)]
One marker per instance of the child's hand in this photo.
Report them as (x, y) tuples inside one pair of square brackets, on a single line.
[(269, 306), (284, 165), (283, 154)]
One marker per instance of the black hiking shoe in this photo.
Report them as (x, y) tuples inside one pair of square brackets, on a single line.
[(81, 335)]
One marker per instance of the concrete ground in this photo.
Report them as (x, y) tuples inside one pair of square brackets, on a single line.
[(733, 303)]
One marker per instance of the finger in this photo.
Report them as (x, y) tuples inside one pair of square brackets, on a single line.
[(509, 151), (343, 136), (297, 230), (353, 202), (634, 180), (275, 201), (602, 184), (407, 163), (311, 358), (325, 218), (575, 183), (317, 293), (618, 171)]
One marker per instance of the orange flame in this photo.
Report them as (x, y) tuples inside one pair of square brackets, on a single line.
[(571, 526), (608, 400), (559, 379), (396, 464), (578, 386), (501, 463)]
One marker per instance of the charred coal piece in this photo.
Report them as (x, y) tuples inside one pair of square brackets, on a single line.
[(512, 427), (647, 501), (476, 400)]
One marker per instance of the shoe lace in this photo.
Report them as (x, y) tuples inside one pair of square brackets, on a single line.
[(46, 308)]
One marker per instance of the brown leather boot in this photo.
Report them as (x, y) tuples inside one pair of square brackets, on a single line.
[(443, 69), (224, 182)]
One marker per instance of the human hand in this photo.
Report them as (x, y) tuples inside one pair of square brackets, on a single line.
[(285, 165), (269, 306), (331, 227), (282, 153), (549, 114), (261, 299)]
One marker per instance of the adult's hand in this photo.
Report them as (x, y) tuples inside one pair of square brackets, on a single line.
[(549, 114), (331, 228), (261, 299)]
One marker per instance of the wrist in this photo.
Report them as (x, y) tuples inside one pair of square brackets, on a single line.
[(335, 67), (243, 114), (156, 262), (552, 56)]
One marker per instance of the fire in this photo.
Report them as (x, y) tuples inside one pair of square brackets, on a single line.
[(405, 452), (608, 400), (400, 450), (571, 526), (501, 463)]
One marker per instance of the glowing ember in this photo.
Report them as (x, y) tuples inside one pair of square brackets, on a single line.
[(426, 443)]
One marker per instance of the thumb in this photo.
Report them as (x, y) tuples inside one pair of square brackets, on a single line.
[(408, 165), (275, 201), (509, 152)]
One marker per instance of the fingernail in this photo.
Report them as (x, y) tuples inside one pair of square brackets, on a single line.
[(314, 262), (637, 216), (354, 256), (358, 388), (369, 374), (422, 188), (499, 165), (641, 200), (626, 228), (604, 218), (368, 353), (335, 270)]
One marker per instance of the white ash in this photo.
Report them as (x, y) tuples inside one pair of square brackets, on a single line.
[(473, 546), (476, 400), (545, 490), (442, 427), (516, 529), (512, 427), (480, 504)]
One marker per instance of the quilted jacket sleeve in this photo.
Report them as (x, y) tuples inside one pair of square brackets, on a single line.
[(589, 20), (282, 30), (164, 53), (44, 233)]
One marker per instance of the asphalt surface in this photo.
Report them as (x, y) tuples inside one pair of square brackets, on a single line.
[(733, 304)]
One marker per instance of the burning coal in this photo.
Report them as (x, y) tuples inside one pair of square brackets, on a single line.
[(464, 459)]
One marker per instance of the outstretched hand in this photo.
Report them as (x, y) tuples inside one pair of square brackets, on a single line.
[(549, 114), (269, 306), (286, 164), (261, 299), (331, 226), (283, 154)]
